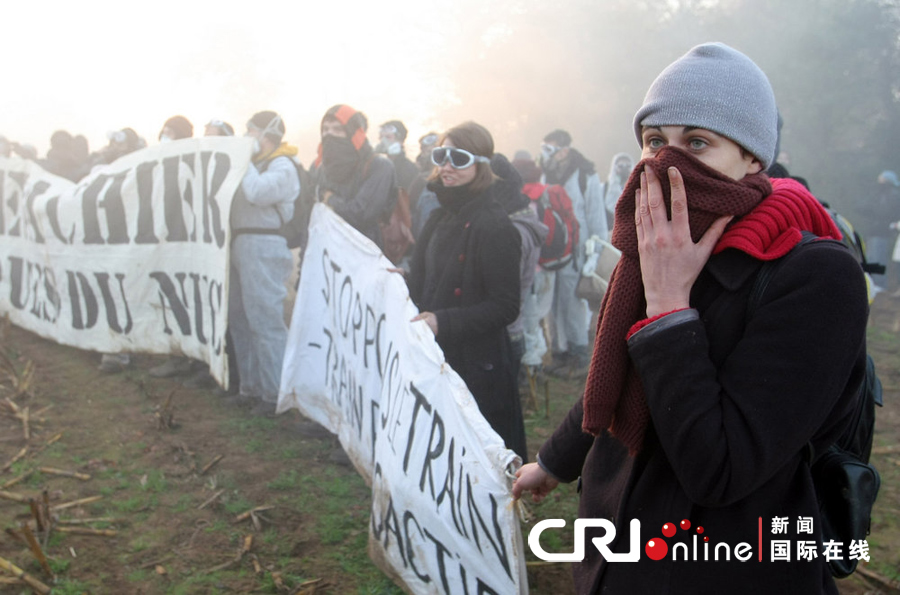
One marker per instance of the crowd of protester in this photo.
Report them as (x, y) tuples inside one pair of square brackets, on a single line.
[(551, 332), (362, 184), (548, 332)]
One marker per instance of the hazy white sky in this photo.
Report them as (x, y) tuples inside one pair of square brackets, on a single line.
[(98, 65)]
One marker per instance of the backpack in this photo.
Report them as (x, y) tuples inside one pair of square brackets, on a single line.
[(846, 484), (295, 230), (852, 240), (396, 232), (554, 209)]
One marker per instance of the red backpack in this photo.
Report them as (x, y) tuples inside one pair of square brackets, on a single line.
[(554, 209)]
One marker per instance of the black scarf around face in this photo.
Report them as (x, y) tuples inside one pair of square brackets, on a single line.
[(340, 158), (452, 198)]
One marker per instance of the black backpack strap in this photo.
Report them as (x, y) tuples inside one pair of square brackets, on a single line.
[(765, 274), (767, 271)]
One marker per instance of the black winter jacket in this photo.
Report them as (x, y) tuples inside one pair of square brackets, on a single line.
[(734, 403), (366, 200), (474, 292)]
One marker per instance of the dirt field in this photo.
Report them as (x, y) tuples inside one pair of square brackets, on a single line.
[(176, 525), (884, 540), (174, 485)]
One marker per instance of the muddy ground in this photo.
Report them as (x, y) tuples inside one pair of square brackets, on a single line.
[(174, 485)]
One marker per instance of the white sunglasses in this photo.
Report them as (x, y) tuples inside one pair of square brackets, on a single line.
[(458, 158), (548, 150)]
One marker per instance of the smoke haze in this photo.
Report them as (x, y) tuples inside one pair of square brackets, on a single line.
[(520, 67)]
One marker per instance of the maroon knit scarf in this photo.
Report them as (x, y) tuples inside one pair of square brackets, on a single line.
[(613, 397), (772, 219)]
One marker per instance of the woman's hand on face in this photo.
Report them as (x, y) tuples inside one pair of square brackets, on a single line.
[(532, 478), (670, 260), (430, 319)]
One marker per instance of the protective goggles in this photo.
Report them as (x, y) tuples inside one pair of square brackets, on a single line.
[(117, 136), (548, 150), (221, 125), (389, 129), (458, 158), (272, 128), (428, 140)]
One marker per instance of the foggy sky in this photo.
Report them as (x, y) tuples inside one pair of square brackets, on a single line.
[(520, 67), (98, 66)]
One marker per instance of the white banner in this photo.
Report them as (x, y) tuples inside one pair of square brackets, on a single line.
[(443, 519), (134, 258)]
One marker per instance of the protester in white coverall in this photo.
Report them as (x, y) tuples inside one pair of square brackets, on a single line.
[(619, 171), (261, 262), (569, 315)]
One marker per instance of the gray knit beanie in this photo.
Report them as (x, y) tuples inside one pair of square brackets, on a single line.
[(717, 88)]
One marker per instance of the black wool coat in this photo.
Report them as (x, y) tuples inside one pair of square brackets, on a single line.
[(367, 199), (734, 401), (474, 293)]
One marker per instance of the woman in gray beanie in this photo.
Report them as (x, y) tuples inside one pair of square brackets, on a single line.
[(695, 419)]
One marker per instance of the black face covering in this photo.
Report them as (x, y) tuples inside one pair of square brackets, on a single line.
[(339, 157), (452, 198)]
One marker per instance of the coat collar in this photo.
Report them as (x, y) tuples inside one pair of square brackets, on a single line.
[(732, 268)]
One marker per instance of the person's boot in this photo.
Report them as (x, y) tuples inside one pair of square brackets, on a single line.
[(559, 365), (310, 429), (200, 379), (174, 366), (113, 363), (239, 400), (264, 409)]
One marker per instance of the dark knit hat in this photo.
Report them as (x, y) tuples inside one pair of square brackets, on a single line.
[(560, 137), (269, 122), (527, 168), (61, 139), (126, 137), (180, 125), (354, 122), (717, 88), (399, 129)]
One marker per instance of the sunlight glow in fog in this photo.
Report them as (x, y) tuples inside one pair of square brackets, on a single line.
[(101, 65)]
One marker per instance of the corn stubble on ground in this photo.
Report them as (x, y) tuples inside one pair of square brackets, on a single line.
[(127, 483)]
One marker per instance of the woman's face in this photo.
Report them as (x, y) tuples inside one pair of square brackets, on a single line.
[(456, 177), (720, 153)]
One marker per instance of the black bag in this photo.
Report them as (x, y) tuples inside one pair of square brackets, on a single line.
[(846, 484), (295, 230)]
